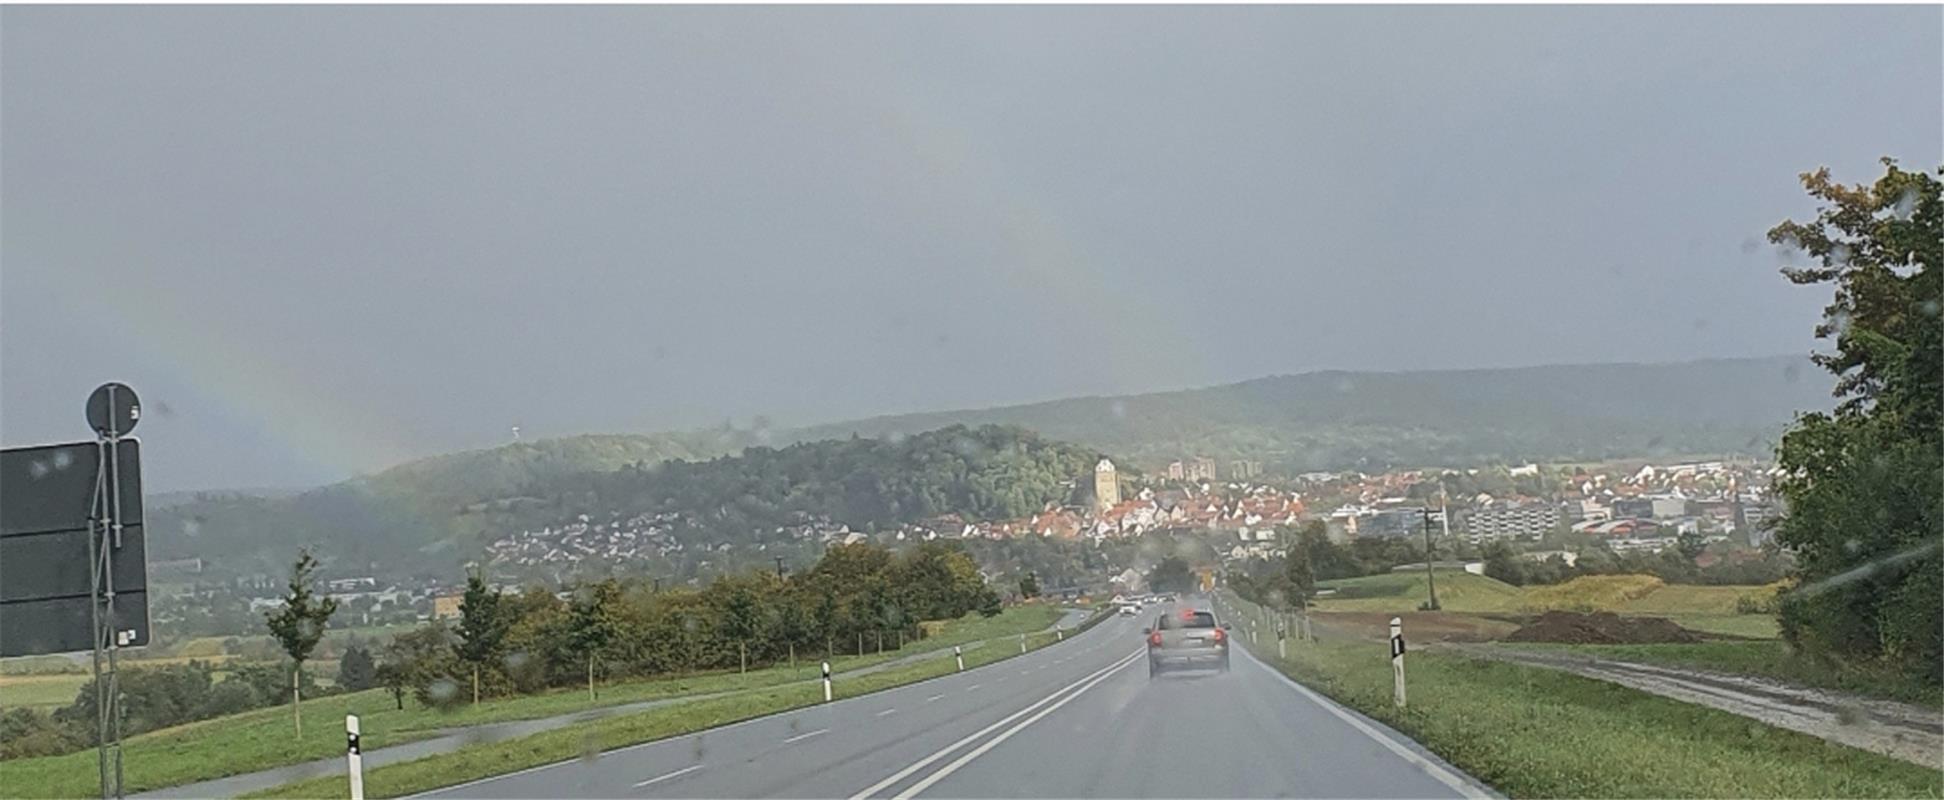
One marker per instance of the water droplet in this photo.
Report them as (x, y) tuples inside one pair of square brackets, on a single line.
[(1906, 203)]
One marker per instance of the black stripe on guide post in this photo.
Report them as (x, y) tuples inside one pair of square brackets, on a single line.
[(1397, 646)]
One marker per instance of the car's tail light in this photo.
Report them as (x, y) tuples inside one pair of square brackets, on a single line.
[(1220, 637), (1154, 639)]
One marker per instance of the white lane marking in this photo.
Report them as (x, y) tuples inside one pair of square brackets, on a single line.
[(974, 687), (961, 761), (676, 774), (885, 713), (802, 736), (1438, 772), (1025, 672), (1040, 667), (928, 760), (673, 740)]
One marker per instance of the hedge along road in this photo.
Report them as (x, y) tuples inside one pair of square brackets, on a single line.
[(1077, 720)]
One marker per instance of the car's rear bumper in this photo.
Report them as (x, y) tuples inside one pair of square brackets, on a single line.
[(1188, 655)]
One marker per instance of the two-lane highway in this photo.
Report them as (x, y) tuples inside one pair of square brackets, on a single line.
[(1077, 719)]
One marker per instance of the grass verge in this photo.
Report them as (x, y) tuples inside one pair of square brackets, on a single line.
[(265, 738), (1541, 733), (1765, 659), (588, 740)]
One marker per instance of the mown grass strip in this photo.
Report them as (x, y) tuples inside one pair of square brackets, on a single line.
[(588, 740), (1534, 732)]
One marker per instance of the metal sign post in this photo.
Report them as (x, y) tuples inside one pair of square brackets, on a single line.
[(112, 411), (1397, 660)]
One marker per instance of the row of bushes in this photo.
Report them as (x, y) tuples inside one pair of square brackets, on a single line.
[(534, 640)]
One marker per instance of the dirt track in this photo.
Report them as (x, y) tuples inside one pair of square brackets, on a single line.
[(1908, 732)]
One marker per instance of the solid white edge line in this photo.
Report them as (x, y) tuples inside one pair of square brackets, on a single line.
[(802, 736), (945, 771), (947, 750), (1442, 774), (675, 774)]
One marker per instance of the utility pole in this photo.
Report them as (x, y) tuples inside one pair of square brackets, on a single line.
[(1430, 576), (779, 566)]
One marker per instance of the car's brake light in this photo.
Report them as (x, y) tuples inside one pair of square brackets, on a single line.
[(1220, 637), (1154, 639)]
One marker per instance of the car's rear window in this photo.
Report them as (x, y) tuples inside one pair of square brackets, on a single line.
[(1187, 619)]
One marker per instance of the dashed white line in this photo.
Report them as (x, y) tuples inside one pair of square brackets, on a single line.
[(974, 687), (885, 713), (1025, 672), (934, 698), (802, 736), (676, 774)]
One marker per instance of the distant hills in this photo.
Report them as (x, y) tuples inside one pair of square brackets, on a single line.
[(1372, 420), (432, 513)]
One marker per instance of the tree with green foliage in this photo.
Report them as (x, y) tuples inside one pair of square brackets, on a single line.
[(593, 624), (299, 625), (482, 628), (1029, 587), (1865, 516), (356, 671)]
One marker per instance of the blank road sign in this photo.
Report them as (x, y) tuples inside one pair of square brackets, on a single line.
[(47, 497)]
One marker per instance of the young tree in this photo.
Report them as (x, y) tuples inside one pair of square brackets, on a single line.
[(356, 672), (1865, 518), (1029, 587), (299, 625), (593, 623), (483, 623)]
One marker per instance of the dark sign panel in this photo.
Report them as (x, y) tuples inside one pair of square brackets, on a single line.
[(48, 495)]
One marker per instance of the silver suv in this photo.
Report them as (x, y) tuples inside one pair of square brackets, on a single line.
[(1190, 637)]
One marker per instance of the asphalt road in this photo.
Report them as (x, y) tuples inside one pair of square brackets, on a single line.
[(1077, 719)]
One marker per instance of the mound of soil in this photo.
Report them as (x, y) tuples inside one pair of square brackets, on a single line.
[(1603, 627)]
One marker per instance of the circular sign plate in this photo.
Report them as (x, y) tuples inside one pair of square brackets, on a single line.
[(113, 409)]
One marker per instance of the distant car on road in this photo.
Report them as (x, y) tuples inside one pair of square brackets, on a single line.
[(1187, 638), (1130, 610)]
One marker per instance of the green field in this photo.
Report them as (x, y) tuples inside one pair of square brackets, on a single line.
[(1768, 659), (1403, 591), (1534, 732), (42, 691), (265, 738), (587, 740), (1711, 609)]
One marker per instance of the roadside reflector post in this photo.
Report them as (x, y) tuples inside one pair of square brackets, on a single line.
[(1059, 634), (354, 756), (826, 679), (1282, 632), (1022, 643), (1397, 659)]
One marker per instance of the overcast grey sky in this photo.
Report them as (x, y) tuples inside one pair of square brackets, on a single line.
[(322, 240)]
